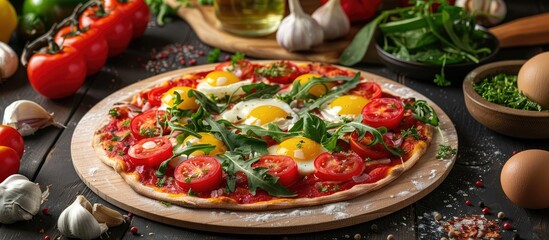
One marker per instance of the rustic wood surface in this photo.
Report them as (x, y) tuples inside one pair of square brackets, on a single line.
[(482, 152)]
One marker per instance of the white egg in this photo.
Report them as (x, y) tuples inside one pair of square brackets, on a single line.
[(346, 106), (303, 150), (261, 112)]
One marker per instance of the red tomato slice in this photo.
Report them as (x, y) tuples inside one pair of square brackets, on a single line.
[(361, 147), (90, 43), (9, 160), (115, 26), (369, 90), (243, 69), (283, 167), (200, 174), (378, 174), (10, 137), (282, 72), (146, 125), (338, 166), (383, 112), (150, 151), (155, 95)]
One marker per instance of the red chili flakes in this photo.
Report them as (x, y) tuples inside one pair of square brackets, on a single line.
[(475, 226)]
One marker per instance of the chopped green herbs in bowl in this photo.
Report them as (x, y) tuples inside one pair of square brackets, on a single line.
[(492, 98)]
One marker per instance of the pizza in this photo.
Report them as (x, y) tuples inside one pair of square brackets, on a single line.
[(249, 135)]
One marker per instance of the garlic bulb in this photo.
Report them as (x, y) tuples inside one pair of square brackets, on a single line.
[(8, 61), (27, 117), (298, 31), (332, 19), (77, 221), (487, 12), (20, 199)]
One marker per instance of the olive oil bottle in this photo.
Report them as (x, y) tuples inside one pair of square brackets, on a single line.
[(250, 17)]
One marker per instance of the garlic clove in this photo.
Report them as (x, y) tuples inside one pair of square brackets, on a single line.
[(104, 214), (76, 221), (332, 19), (298, 31), (27, 117), (487, 12), (20, 199)]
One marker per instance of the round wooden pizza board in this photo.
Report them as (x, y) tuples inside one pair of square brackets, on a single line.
[(411, 186)]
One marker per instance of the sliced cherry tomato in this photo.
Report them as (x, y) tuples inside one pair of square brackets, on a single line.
[(243, 69), (46, 77), (10, 137), (378, 173), (9, 160), (136, 10), (89, 42), (362, 148), (200, 174), (115, 26), (369, 90), (283, 167), (150, 151), (282, 72), (155, 95), (338, 166), (148, 124), (383, 112)]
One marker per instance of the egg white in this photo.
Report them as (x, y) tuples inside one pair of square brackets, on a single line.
[(240, 111), (222, 91)]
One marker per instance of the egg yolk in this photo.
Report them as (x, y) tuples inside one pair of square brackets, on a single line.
[(206, 138), (318, 89), (221, 78), (349, 104), (189, 103), (265, 114), (299, 148)]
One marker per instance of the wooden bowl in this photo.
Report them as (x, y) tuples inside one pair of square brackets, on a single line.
[(505, 120)]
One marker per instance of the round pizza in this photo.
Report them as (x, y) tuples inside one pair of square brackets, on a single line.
[(263, 135)]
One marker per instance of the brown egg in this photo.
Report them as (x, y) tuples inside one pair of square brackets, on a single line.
[(533, 79), (525, 179)]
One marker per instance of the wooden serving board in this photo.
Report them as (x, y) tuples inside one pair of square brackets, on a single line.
[(203, 21), (423, 178)]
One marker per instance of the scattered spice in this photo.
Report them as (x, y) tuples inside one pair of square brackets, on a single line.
[(479, 183), (437, 216), (46, 237), (486, 210), (468, 202), (134, 230), (516, 236), (481, 204), (507, 226), (130, 215), (357, 236), (46, 211), (475, 226), (179, 55), (501, 215), (390, 237), (374, 228)]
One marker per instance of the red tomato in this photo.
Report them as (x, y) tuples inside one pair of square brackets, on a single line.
[(200, 174), (145, 125), (115, 26), (151, 151), (282, 72), (10, 137), (57, 75), (383, 112), (243, 69), (369, 90), (136, 10), (154, 96), (283, 167), (378, 174), (90, 43), (338, 166), (9, 160), (363, 149), (359, 10)]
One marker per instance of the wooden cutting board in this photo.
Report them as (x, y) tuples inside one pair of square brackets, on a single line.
[(203, 21), (423, 178)]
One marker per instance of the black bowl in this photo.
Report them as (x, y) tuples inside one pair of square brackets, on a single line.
[(454, 72)]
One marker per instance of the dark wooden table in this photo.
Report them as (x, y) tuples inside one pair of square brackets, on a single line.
[(482, 152)]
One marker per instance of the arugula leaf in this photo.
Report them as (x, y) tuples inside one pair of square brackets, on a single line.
[(205, 102), (424, 112), (314, 128), (349, 84), (257, 177), (236, 142), (272, 131), (260, 90)]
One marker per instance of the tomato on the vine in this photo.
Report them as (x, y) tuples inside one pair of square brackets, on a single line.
[(338, 166), (282, 72), (282, 167), (369, 90), (151, 151), (199, 174), (115, 26), (149, 124), (9, 160), (383, 112), (89, 42), (243, 69), (136, 10), (10, 137), (44, 73)]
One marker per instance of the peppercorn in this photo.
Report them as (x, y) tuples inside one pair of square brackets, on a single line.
[(479, 183), (507, 226), (133, 230), (468, 202), (501, 215), (481, 204), (486, 210)]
